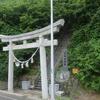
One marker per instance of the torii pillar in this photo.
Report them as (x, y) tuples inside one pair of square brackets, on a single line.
[(43, 64), (10, 69)]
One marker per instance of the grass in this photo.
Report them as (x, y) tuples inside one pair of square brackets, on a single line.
[(62, 98)]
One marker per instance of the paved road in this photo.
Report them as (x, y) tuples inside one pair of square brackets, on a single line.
[(8, 96), (12, 96), (5, 97), (2, 97)]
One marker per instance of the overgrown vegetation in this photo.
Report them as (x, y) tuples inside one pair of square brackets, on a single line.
[(83, 17), (84, 49)]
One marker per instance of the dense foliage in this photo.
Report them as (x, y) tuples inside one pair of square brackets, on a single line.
[(83, 17), (84, 49)]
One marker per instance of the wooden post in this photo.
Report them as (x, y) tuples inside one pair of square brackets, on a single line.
[(43, 64), (10, 69)]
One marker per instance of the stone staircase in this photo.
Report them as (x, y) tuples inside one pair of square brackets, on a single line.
[(37, 83)]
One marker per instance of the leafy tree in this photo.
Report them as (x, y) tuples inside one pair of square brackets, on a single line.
[(83, 17)]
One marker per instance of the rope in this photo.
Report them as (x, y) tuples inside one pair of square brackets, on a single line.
[(22, 62)]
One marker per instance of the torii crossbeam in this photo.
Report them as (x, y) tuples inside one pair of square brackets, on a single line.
[(41, 43)]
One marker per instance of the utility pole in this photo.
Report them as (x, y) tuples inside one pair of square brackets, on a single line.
[(52, 56)]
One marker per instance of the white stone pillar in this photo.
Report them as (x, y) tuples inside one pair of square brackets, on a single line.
[(10, 69), (43, 65)]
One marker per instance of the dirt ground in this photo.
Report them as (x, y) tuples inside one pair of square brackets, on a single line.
[(88, 96)]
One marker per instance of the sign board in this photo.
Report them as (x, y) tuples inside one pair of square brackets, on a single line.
[(65, 63), (64, 74)]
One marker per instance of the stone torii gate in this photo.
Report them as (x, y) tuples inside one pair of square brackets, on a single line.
[(40, 43)]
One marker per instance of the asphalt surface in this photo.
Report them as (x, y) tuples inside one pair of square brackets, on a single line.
[(4, 95), (7, 96)]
